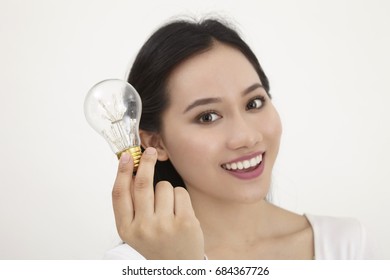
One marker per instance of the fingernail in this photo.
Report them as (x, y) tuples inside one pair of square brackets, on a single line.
[(150, 151), (125, 158)]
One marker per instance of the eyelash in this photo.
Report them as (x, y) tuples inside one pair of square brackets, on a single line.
[(200, 117)]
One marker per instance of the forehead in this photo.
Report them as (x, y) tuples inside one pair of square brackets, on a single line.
[(218, 72)]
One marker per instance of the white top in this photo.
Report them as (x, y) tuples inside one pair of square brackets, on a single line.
[(339, 239), (334, 239)]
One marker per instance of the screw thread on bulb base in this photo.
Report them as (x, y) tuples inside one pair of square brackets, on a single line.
[(135, 152)]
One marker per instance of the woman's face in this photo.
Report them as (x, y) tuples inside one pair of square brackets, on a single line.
[(220, 130)]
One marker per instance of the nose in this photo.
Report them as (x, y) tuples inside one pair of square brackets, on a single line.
[(243, 133)]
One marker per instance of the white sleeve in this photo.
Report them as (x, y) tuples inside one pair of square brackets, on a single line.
[(123, 252), (369, 250), (340, 239)]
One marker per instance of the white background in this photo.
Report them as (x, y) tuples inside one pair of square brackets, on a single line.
[(328, 64)]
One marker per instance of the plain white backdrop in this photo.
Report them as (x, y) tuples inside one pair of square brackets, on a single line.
[(328, 63)]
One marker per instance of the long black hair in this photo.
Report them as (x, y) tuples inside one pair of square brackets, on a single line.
[(167, 47)]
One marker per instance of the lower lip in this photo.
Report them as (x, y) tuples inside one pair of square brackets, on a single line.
[(247, 175)]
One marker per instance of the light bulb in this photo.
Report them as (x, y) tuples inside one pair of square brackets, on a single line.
[(113, 108)]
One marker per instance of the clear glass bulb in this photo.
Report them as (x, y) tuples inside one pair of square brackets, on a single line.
[(113, 108)]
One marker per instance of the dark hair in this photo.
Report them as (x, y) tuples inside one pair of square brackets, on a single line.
[(169, 46)]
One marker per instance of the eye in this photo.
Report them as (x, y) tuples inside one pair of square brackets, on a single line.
[(255, 103), (208, 117)]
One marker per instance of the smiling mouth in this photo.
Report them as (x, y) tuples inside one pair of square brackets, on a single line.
[(244, 165)]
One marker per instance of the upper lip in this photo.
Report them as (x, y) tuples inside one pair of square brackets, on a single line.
[(247, 157)]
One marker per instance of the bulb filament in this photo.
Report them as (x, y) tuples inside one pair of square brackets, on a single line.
[(122, 129)]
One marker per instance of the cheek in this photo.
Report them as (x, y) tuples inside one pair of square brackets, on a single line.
[(272, 125), (191, 151), (185, 148), (272, 132)]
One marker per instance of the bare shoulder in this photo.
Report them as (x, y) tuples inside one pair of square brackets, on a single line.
[(288, 222), (295, 233)]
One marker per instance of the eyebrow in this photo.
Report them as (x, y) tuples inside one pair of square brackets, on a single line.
[(205, 101), (252, 88)]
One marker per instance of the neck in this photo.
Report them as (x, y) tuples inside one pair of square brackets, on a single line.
[(234, 223)]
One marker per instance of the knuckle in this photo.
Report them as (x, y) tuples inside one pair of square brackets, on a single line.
[(181, 191), (154, 229), (124, 168), (141, 182), (163, 185), (117, 191), (189, 224), (146, 158), (143, 231), (163, 227)]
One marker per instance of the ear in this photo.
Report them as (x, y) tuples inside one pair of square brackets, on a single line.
[(153, 139)]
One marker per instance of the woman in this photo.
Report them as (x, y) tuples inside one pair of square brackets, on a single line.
[(211, 136)]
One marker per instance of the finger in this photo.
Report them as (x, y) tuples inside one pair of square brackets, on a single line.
[(143, 184), (164, 199), (183, 205), (121, 197)]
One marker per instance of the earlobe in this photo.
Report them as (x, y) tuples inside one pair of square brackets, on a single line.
[(153, 139)]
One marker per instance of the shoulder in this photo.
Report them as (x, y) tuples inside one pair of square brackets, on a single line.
[(338, 238), (123, 252)]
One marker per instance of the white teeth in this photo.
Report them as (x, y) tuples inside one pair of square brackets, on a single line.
[(253, 162), (243, 164)]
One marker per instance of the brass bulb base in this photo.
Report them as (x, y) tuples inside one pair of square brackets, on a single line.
[(135, 152)]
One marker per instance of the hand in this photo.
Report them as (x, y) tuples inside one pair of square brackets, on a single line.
[(159, 224)]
